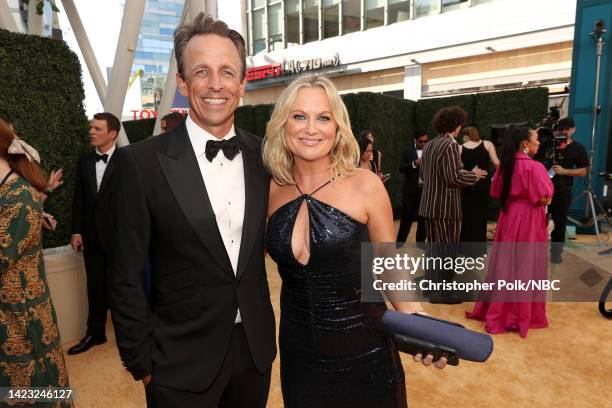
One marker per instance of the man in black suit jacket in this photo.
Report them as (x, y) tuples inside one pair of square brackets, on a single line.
[(410, 165), (444, 176), (194, 200), (91, 221)]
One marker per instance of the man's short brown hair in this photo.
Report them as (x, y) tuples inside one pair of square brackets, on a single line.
[(112, 123), (205, 24), (446, 120)]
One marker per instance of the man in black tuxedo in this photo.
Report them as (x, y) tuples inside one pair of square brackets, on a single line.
[(91, 221), (194, 200), (410, 165)]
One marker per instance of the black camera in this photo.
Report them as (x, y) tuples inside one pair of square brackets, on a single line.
[(551, 138)]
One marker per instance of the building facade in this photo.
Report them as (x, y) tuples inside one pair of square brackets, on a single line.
[(154, 49), (412, 49)]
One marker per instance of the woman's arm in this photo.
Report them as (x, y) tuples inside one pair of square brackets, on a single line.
[(380, 225), (492, 153)]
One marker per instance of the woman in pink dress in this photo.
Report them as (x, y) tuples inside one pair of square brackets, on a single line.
[(523, 189)]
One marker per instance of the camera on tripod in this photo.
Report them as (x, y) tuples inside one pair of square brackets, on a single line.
[(551, 138)]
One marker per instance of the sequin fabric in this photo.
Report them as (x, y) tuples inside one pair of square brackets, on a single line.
[(333, 351)]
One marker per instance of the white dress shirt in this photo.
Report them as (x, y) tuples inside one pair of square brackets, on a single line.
[(224, 181), (101, 166)]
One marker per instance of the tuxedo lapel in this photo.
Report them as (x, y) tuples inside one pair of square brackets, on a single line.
[(91, 173), (184, 177), (108, 172), (255, 199)]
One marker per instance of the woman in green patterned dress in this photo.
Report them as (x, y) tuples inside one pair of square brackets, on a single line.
[(30, 350)]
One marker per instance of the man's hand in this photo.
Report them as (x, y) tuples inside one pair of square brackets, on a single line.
[(146, 380), (76, 241), (480, 173), (441, 363), (417, 162), (559, 170)]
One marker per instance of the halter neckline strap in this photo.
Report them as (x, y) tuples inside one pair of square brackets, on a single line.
[(317, 189)]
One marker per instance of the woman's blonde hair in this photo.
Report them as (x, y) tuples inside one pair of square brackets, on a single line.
[(277, 157), (471, 133)]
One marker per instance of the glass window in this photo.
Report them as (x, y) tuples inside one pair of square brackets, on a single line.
[(276, 42), (474, 2), (258, 24), (453, 4), (331, 14), (398, 11), (293, 22), (311, 20), (259, 45), (144, 55), (150, 68), (257, 3), (275, 20), (426, 7), (374, 13), (351, 16), (259, 40)]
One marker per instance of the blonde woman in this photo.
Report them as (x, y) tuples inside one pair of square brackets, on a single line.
[(332, 348)]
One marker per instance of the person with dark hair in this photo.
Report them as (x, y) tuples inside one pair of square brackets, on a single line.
[(91, 229), (195, 200), (523, 189), (573, 162), (31, 352), (476, 153), (376, 154), (410, 165), (443, 177), (365, 150), (170, 121)]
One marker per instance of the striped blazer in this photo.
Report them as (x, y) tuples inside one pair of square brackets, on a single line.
[(443, 176)]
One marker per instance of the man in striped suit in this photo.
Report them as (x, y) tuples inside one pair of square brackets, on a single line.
[(443, 176)]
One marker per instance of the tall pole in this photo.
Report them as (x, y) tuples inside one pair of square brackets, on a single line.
[(167, 96), (35, 21), (124, 58), (86, 49), (7, 21)]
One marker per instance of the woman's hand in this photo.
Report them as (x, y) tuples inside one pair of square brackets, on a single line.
[(48, 221), (545, 200), (441, 363), (55, 179)]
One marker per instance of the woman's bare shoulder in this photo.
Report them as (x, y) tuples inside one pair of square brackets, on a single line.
[(363, 181)]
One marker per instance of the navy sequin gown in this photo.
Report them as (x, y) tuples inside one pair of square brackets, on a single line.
[(332, 348)]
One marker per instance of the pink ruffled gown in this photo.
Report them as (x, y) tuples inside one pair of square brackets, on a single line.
[(519, 251)]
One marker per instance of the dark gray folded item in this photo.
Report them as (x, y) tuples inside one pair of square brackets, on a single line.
[(468, 344)]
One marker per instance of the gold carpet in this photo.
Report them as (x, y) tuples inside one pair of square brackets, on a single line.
[(568, 364)]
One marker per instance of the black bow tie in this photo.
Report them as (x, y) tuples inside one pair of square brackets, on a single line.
[(230, 148), (103, 157)]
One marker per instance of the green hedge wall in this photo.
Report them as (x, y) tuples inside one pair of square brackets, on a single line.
[(486, 109), (509, 106), (425, 109), (42, 94), (391, 119)]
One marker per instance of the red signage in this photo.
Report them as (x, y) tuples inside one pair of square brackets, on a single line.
[(150, 113), (265, 71), (292, 67)]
